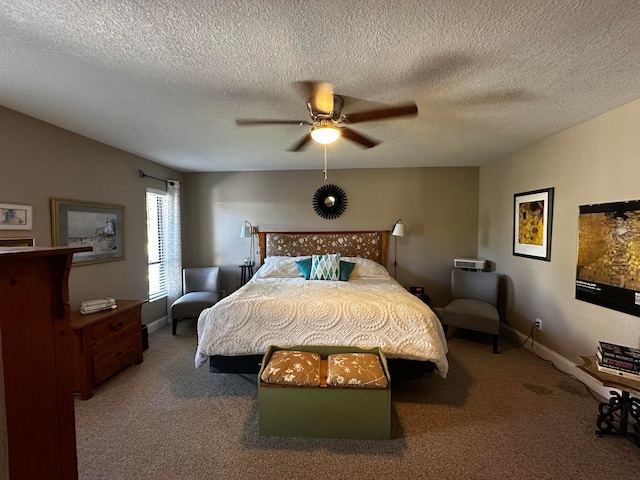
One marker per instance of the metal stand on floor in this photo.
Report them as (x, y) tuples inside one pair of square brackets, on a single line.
[(614, 415), (627, 406)]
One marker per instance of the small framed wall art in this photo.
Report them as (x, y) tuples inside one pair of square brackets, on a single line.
[(532, 219), (16, 217), (75, 223), (17, 242)]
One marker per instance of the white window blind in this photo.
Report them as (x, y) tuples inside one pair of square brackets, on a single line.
[(156, 243)]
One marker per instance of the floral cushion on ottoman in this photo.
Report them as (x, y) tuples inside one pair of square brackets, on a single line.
[(291, 367), (355, 370)]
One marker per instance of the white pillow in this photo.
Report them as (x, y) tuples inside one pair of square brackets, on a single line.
[(280, 267), (366, 268)]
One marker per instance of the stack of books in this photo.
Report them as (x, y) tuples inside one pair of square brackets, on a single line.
[(93, 306), (618, 360)]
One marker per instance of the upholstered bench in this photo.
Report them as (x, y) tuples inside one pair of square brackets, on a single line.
[(324, 391)]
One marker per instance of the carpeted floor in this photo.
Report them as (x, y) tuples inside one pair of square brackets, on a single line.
[(510, 416)]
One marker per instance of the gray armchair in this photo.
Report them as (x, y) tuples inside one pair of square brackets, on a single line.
[(201, 290), (474, 304)]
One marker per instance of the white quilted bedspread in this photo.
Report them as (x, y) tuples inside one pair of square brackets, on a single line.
[(363, 312)]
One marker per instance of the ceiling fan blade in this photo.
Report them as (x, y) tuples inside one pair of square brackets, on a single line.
[(323, 98), (306, 88), (381, 113), (358, 138), (301, 144), (320, 94), (241, 122)]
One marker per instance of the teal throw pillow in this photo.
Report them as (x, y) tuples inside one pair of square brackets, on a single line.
[(304, 266), (345, 270)]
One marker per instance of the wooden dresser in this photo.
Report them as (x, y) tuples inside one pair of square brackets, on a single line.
[(37, 423), (107, 342)]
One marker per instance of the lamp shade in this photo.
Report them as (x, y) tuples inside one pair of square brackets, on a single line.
[(248, 230), (398, 229)]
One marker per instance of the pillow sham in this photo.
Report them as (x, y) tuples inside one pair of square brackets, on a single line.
[(292, 367), (362, 370), (279, 267), (325, 267), (365, 267)]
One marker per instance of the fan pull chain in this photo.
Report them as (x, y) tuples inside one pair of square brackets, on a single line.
[(325, 162)]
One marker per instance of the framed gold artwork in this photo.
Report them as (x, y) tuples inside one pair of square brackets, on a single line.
[(532, 219)]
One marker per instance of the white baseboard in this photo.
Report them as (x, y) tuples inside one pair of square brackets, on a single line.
[(157, 324), (562, 363)]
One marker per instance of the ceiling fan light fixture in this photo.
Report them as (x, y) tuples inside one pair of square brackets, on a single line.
[(325, 134)]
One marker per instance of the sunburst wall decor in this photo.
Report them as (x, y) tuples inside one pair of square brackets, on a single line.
[(330, 201)]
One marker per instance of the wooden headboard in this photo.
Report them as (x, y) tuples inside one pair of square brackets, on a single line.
[(365, 244)]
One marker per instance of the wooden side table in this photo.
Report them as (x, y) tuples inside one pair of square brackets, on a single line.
[(107, 342), (626, 405), (246, 272)]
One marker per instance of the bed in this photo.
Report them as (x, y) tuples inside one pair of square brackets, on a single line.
[(278, 306)]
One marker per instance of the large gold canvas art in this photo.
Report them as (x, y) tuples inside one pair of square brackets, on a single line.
[(609, 248), (608, 267)]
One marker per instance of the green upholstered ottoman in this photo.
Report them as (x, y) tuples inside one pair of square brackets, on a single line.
[(324, 411)]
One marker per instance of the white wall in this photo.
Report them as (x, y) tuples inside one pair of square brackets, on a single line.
[(595, 162), (40, 161), (438, 206)]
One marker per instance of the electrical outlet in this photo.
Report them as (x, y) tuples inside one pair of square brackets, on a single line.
[(538, 324)]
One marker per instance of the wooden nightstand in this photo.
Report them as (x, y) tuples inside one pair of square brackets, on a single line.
[(107, 342)]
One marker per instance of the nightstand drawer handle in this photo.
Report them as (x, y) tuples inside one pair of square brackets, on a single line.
[(115, 328)]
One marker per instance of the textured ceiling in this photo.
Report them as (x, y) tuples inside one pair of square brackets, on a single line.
[(165, 80)]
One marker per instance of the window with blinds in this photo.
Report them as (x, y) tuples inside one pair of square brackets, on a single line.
[(156, 242)]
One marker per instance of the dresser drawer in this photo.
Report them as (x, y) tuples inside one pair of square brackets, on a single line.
[(114, 328), (114, 358)]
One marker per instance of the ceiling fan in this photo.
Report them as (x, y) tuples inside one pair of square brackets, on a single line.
[(328, 122)]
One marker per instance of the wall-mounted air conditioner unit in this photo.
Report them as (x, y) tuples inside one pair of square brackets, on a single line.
[(469, 263)]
